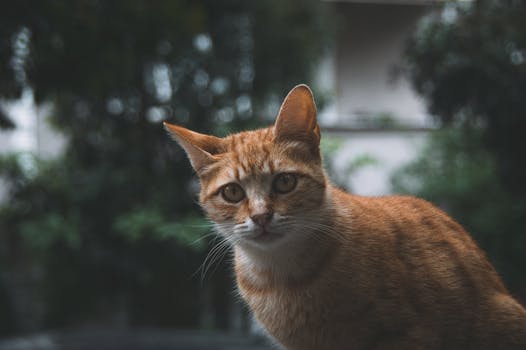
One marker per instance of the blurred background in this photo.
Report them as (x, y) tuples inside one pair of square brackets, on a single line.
[(102, 243)]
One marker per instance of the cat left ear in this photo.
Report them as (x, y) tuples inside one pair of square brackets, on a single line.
[(296, 119), (200, 149)]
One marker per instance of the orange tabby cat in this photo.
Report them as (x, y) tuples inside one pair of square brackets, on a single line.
[(323, 269)]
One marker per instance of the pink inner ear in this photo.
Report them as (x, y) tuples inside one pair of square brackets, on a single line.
[(297, 118)]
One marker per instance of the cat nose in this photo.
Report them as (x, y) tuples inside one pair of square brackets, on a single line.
[(262, 219)]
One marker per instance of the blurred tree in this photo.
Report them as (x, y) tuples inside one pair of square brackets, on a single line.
[(470, 64), (109, 222)]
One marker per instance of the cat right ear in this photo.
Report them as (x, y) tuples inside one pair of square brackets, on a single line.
[(200, 149), (296, 119)]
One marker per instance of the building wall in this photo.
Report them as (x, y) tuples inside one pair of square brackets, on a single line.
[(387, 150), (32, 133), (367, 64), (364, 74)]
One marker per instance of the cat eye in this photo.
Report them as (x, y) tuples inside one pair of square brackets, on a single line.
[(284, 183), (232, 193)]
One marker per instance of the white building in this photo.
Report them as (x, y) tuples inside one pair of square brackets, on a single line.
[(32, 136), (374, 108), (32, 133)]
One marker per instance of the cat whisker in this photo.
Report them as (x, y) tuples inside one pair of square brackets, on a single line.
[(312, 228), (200, 239), (212, 257)]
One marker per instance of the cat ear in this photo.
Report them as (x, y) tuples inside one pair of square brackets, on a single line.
[(199, 148), (296, 119)]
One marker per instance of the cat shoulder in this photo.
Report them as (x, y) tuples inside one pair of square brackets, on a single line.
[(402, 203)]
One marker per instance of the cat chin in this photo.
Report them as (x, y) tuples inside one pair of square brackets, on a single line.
[(268, 243)]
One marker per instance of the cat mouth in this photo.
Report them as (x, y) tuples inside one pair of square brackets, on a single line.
[(264, 236)]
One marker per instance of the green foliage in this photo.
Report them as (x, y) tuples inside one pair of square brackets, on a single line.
[(146, 222), (470, 64), (114, 219), (454, 172)]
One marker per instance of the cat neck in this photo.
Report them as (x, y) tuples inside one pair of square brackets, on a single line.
[(296, 261)]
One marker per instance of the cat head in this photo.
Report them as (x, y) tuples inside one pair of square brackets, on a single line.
[(261, 187)]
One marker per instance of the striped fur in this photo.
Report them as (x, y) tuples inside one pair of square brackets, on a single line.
[(339, 271)]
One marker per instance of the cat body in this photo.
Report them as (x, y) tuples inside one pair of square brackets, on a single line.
[(414, 280), (324, 269)]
